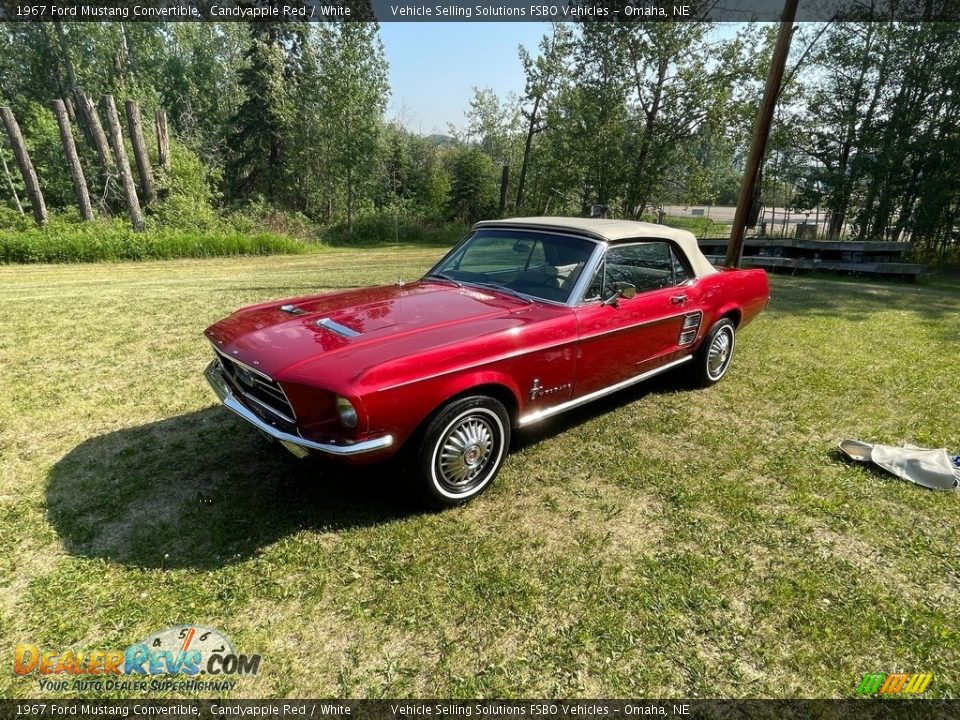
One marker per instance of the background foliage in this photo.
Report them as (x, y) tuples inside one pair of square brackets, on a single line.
[(292, 118)]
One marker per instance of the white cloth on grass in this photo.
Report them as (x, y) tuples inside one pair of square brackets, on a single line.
[(930, 468)]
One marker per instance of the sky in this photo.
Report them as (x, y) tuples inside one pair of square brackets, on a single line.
[(434, 67)]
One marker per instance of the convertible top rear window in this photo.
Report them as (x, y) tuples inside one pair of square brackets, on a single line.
[(537, 264)]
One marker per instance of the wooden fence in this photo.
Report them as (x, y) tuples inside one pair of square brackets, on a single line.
[(110, 150)]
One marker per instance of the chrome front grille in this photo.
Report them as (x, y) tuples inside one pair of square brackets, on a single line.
[(260, 391)]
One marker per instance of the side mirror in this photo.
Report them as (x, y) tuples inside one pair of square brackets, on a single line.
[(620, 290)]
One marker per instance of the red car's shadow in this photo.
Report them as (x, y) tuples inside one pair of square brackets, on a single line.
[(204, 490)]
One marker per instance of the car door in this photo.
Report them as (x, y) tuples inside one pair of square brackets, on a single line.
[(626, 337)]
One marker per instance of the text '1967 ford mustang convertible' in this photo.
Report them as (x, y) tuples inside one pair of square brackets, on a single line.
[(524, 319)]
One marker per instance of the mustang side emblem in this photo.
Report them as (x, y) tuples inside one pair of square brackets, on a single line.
[(536, 390)]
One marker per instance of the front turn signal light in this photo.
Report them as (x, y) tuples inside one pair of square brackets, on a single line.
[(347, 412)]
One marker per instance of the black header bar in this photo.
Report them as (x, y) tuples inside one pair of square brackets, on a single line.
[(473, 10)]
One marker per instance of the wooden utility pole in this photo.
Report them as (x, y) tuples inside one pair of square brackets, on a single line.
[(73, 161), (761, 132), (163, 139), (140, 154), (97, 136), (123, 165), (26, 167)]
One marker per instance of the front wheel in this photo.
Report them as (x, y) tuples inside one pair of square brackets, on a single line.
[(461, 451), (712, 360)]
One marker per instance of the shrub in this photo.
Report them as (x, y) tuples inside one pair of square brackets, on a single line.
[(188, 200), (260, 216), (382, 227), (113, 239)]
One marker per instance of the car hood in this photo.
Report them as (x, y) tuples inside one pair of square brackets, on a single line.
[(359, 328)]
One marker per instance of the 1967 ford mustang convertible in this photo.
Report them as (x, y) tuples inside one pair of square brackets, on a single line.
[(524, 319)]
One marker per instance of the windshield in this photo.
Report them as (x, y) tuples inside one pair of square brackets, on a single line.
[(536, 264)]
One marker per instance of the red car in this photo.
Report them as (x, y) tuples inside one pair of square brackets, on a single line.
[(524, 319)]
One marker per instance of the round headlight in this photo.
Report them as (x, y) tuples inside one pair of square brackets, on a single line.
[(347, 413)]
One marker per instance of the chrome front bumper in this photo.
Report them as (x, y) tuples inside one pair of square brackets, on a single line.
[(294, 443)]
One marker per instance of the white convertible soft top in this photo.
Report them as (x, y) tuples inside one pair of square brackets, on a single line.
[(615, 231)]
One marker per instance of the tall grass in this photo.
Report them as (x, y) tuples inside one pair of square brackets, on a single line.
[(112, 240)]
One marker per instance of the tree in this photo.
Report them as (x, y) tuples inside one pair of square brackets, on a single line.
[(494, 125), (902, 157), (680, 88), (353, 97), (473, 188), (595, 114), (544, 74), (265, 119), (201, 99), (854, 61)]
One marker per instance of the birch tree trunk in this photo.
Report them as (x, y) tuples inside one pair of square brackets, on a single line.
[(13, 189), (73, 161), (26, 167), (140, 154), (123, 165)]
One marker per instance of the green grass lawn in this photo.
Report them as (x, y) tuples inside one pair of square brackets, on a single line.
[(663, 542)]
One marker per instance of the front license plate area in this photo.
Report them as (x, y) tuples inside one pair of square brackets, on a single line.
[(295, 450)]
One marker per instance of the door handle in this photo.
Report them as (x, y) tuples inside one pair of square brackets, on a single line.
[(678, 299)]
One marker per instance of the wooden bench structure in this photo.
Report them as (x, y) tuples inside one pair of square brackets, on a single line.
[(877, 259)]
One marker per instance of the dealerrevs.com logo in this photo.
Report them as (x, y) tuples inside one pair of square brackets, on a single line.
[(174, 659)]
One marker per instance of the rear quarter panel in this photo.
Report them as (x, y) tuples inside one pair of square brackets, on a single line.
[(741, 292)]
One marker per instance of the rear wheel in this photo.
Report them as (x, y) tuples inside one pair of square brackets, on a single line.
[(461, 451), (712, 360)]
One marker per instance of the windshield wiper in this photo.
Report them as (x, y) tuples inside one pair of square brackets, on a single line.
[(503, 289), (443, 276)]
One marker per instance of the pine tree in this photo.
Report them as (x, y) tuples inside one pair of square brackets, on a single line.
[(265, 120)]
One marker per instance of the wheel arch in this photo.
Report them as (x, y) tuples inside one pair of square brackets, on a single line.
[(732, 313), (496, 386), (498, 391)]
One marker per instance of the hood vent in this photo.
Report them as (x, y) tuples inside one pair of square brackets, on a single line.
[(293, 310), (336, 327)]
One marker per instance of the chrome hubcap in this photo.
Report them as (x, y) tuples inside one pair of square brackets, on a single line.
[(719, 354), (465, 451)]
